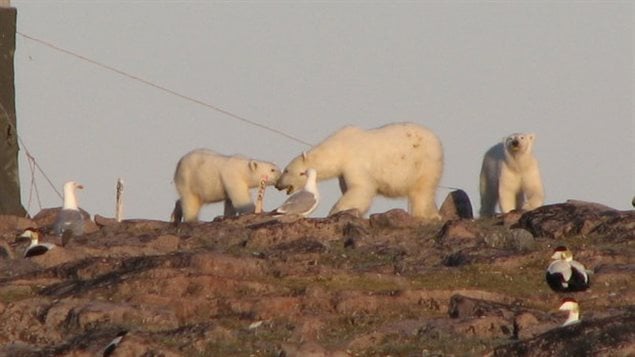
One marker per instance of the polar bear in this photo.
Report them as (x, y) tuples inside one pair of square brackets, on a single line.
[(510, 176), (396, 160), (204, 176)]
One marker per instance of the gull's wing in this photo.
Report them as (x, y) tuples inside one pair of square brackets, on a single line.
[(301, 203)]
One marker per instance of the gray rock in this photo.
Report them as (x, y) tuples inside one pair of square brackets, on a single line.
[(587, 338), (516, 239), (578, 218), (395, 218), (521, 240)]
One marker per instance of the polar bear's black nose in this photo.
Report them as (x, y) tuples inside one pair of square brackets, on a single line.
[(515, 142), (281, 186)]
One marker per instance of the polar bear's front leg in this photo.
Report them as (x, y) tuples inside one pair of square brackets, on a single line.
[(239, 198), (508, 189), (357, 197), (421, 204), (190, 207), (534, 191)]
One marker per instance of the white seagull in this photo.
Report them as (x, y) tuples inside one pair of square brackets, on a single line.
[(304, 201), (69, 219), (35, 248), (565, 274), (572, 306)]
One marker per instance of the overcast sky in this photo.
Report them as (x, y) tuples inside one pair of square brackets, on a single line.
[(473, 72)]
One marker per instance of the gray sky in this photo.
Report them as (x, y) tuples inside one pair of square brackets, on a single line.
[(472, 72)]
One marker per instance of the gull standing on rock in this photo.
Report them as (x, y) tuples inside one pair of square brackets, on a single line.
[(304, 201), (69, 219)]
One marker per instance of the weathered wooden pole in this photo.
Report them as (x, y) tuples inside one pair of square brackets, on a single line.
[(10, 202), (119, 207), (261, 194)]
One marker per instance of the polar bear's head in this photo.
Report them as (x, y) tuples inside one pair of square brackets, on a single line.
[(259, 170), (294, 175), (519, 143)]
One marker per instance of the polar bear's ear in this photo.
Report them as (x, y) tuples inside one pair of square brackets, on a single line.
[(305, 156), (253, 165)]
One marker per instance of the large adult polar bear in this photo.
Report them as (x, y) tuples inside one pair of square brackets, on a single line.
[(396, 160), (204, 176), (510, 176)]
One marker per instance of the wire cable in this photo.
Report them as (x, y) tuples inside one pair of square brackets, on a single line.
[(33, 164), (163, 88)]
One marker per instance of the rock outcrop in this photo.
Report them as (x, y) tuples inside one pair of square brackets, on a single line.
[(337, 286)]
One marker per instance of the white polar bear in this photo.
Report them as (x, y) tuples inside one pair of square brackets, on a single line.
[(396, 160), (204, 176), (510, 176)]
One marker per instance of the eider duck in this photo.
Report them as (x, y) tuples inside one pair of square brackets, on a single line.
[(69, 219), (565, 274), (35, 248), (573, 307)]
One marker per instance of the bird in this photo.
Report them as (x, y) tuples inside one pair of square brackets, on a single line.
[(35, 248), (69, 219), (110, 349), (304, 201), (571, 305), (565, 274)]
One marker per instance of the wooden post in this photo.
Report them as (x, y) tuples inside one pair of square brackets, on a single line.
[(119, 206), (10, 202), (261, 194)]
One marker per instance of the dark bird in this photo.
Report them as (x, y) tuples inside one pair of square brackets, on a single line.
[(36, 247), (565, 274), (69, 219), (110, 349)]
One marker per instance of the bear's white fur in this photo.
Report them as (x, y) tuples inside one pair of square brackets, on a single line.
[(204, 176), (510, 176), (396, 160)]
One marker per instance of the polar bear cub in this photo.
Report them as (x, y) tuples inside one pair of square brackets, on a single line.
[(204, 176), (510, 176)]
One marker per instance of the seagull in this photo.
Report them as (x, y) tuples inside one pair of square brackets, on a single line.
[(69, 219), (304, 201), (110, 349), (35, 248), (565, 274), (573, 307)]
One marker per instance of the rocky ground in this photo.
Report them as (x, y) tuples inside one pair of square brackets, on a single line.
[(339, 286)]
